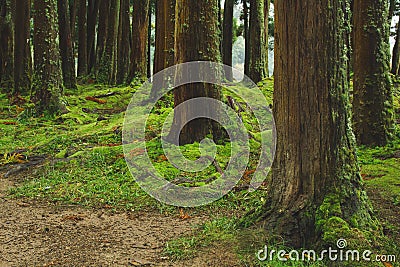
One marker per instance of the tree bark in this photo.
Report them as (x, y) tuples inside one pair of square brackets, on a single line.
[(104, 13), (92, 14), (124, 36), (22, 48), (373, 100), (47, 72), (140, 24), (82, 39), (107, 68), (197, 39), (7, 45), (246, 37), (396, 53), (66, 47), (316, 194), (227, 37), (258, 53), (267, 5)]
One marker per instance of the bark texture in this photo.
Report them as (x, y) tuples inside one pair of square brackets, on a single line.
[(373, 100), (227, 37)]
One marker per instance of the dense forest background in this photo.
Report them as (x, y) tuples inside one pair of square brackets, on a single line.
[(328, 71)]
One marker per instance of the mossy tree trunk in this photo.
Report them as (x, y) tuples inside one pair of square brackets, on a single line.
[(124, 37), (22, 48), (373, 100), (316, 193), (140, 24), (66, 46), (107, 64), (258, 54), (227, 37), (82, 39), (47, 81), (197, 39), (92, 16)]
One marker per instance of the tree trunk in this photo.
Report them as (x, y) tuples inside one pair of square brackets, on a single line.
[(7, 45), (107, 69), (124, 34), (104, 14), (149, 42), (246, 37), (373, 100), (22, 48), (267, 4), (197, 39), (82, 39), (396, 53), (258, 53), (140, 24), (73, 8), (316, 190), (227, 37), (47, 72), (92, 14), (66, 47)]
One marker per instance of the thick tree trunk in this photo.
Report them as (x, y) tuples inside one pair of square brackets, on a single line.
[(227, 37), (47, 82), (107, 69), (396, 53), (258, 53), (66, 47), (82, 39), (22, 48), (373, 100), (316, 190), (140, 24), (165, 34), (124, 36), (92, 14), (197, 38)]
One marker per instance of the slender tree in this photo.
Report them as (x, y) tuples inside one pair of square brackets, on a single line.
[(316, 191), (197, 38), (73, 8), (82, 39), (66, 46), (92, 15), (258, 54), (140, 24), (6, 44), (47, 82), (102, 33), (165, 34), (396, 52), (267, 5), (22, 48), (107, 68), (373, 100), (246, 37), (124, 37), (227, 37)]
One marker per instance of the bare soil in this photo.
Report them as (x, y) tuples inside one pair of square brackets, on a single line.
[(34, 233)]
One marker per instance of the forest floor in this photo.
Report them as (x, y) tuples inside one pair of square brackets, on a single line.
[(67, 197)]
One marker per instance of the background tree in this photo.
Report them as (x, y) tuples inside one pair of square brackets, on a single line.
[(227, 37), (246, 36), (373, 100), (257, 40), (140, 24), (22, 48), (47, 82), (124, 38), (6, 44), (107, 68), (197, 38), (316, 187), (92, 15), (101, 33), (82, 39), (66, 46)]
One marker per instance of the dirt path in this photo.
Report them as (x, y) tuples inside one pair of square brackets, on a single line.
[(45, 234)]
